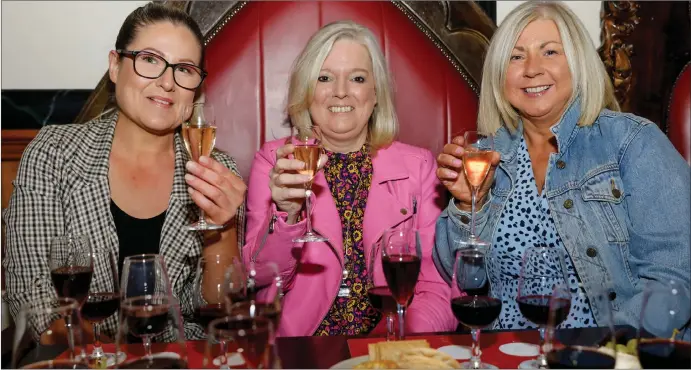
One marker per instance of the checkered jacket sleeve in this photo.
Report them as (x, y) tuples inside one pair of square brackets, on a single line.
[(32, 218)]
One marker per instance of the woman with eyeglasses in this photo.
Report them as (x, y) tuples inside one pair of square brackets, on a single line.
[(124, 179)]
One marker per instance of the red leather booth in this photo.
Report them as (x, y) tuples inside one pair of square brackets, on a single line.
[(679, 114), (250, 58)]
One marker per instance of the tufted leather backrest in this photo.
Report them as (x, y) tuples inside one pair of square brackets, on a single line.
[(250, 58), (679, 114)]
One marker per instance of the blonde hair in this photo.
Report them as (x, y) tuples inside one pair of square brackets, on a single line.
[(383, 124), (590, 79)]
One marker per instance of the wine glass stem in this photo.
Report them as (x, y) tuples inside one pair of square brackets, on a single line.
[(98, 351), (473, 195), (202, 218), (308, 207), (390, 334), (475, 354), (541, 359), (146, 340), (401, 321)]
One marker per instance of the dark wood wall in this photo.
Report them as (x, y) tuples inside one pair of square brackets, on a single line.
[(645, 45)]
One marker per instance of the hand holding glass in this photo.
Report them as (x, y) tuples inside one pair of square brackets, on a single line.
[(308, 149), (477, 160)]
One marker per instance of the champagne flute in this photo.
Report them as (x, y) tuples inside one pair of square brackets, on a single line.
[(588, 356), (199, 135), (103, 301), (542, 268), (148, 310), (308, 149), (46, 321), (379, 294), (664, 324), (477, 160), (401, 257), (71, 266), (473, 303)]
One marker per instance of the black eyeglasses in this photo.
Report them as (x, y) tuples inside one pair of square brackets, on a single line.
[(149, 65)]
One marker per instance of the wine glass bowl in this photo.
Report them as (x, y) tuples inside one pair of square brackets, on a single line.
[(663, 331), (199, 136), (378, 292), (308, 149), (71, 266), (251, 335), (209, 295), (473, 302), (401, 259)]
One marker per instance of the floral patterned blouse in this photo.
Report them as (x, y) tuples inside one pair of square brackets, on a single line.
[(349, 176)]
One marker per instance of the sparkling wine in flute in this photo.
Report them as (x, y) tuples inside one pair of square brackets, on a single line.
[(476, 165), (199, 140), (309, 154)]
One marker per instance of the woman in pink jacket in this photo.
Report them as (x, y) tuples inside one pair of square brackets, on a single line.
[(341, 87)]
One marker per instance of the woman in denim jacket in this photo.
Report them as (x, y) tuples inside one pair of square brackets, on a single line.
[(570, 171)]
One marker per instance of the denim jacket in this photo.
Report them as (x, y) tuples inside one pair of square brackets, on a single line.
[(619, 195)]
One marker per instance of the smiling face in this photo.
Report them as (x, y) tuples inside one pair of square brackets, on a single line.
[(538, 80), (155, 104), (344, 96)]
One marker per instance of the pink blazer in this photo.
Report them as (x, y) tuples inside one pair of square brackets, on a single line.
[(312, 271)]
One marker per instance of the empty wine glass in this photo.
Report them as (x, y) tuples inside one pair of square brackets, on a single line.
[(103, 301), (587, 354), (474, 303), (199, 135), (45, 328), (148, 310), (379, 294), (542, 268), (250, 335), (308, 149), (71, 266), (401, 257), (477, 159), (664, 326)]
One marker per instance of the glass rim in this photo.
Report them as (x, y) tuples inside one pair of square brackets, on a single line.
[(474, 252), (142, 257), (42, 305)]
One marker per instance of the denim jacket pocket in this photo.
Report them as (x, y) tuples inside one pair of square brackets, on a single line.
[(604, 192)]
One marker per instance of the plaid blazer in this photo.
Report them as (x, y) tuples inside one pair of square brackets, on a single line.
[(62, 188)]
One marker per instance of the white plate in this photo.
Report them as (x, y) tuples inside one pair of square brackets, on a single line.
[(351, 362)]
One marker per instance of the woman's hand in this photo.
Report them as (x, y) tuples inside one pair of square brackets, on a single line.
[(286, 184), (450, 173), (215, 189)]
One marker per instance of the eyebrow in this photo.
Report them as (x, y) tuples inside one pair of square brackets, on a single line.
[(189, 61), (351, 71), (521, 48)]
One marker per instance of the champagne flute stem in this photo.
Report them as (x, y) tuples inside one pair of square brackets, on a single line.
[(475, 354), (202, 217), (308, 207), (390, 333), (541, 359), (401, 321), (472, 212)]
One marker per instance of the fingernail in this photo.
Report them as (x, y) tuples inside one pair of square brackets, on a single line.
[(188, 177), (190, 165), (189, 190), (459, 151), (204, 159), (457, 162)]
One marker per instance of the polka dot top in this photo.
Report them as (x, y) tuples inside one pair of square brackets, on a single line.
[(526, 221)]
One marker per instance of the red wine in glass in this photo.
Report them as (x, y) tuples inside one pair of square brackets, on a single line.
[(146, 319), (401, 272), (662, 353), (72, 281), (576, 357), (382, 299), (476, 311), (100, 306), (209, 312), (536, 308)]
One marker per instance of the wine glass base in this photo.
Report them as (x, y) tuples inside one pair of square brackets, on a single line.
[(106, 359), (310, 237), (202, 226), (529, 364), (483, 365)]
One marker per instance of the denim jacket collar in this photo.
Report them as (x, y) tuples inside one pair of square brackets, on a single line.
[(506, 142)]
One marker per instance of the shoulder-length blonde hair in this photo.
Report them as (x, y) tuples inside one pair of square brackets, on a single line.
[(383, 124), (590, 80)]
